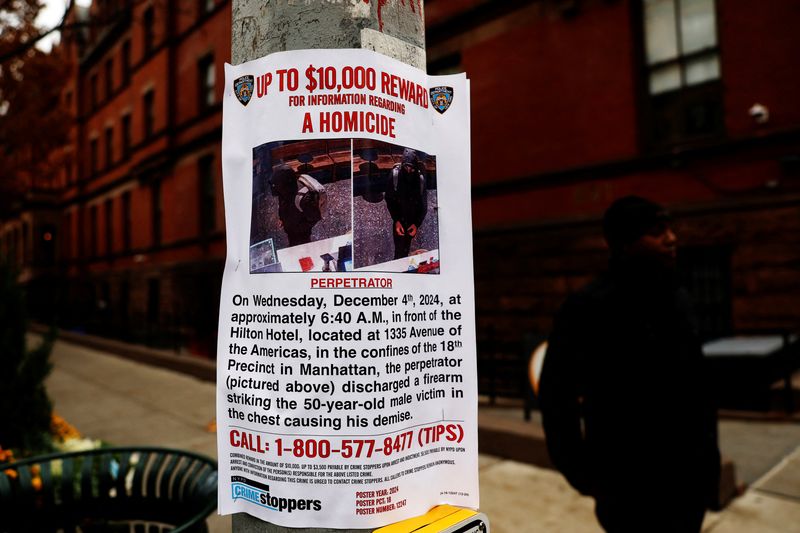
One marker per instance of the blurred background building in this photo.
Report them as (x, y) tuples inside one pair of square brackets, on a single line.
[(128, 238), (576, 103), (692, 103)]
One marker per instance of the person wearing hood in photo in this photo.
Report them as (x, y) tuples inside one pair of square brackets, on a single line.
[(297, 213), (624, 395), (407, 201)]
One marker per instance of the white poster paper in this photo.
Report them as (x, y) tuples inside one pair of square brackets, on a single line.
[(347, 394)]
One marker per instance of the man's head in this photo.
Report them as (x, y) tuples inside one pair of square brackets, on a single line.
[(283, 181), (635, 227), (410, 161)]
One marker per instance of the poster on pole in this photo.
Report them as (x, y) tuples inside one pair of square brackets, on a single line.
[(346, 382)]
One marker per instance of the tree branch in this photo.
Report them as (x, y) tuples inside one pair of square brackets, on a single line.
[(62, 27), (30, 43)]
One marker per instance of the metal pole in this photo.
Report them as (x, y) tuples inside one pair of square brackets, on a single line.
[(395, 28)]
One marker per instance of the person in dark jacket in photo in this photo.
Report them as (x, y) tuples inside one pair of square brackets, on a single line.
[(623, 393), (297, 213), (407, 201)]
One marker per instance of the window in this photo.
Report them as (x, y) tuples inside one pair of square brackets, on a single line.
[(109, 146), (126, 62), (148, 20), (93, 91), (93, 157), (680, 43), (126, 135), (206, 193), (109, 74), (109, 207), (683, 70), (148, 102), (155, 196), (126, 220), (205, 82), (93, 231)]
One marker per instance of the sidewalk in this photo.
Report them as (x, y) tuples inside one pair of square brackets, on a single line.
[(125, 402), (771, 505)]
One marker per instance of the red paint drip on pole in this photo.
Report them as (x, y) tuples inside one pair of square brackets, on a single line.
[(382, 3)]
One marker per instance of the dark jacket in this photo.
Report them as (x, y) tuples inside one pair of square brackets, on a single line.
[(623, 391), (407, 197), (296, 223)]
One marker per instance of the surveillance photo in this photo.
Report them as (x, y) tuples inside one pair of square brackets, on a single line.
[(395, 218), (302, 210)]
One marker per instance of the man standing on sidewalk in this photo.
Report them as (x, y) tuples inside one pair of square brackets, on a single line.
[(623, 394)]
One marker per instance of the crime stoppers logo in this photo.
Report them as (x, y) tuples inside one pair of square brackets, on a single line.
[(441, 98), (258, 493), (243, 88)]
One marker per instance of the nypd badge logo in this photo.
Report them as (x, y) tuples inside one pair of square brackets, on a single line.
[(243, 87), (441, 98)]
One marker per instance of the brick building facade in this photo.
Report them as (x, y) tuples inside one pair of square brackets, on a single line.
[(137, 221), (574, 103)]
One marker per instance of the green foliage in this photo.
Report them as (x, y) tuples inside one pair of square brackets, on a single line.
[(25, 409)]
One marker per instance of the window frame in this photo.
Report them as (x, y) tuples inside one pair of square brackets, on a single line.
[(93, 89), (109, 146), (206, 94), (205, 7), (108, 71), (687, 115), (127, 132), (127, 222), (109, 219), (125, 59), (93, 229), (94, 156), (148, 113), (682, 59), (157, 212), (148, 35)]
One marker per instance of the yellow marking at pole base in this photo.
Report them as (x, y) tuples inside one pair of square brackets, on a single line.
[(448, 521), (437, 519)]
